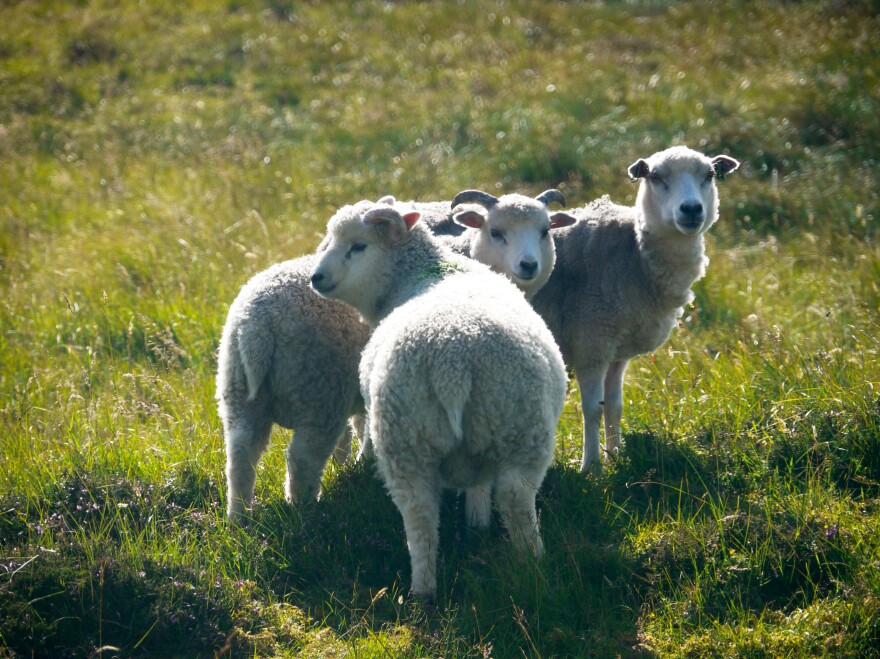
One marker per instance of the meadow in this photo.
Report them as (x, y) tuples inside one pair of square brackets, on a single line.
[(153, 156)]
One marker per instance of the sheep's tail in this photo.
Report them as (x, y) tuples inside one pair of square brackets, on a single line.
[(453, 396), (256, 349)]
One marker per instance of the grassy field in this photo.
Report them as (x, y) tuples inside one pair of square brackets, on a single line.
[(155, 155)]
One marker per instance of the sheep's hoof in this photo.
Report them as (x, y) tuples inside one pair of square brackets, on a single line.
[(238, 517), (427, 601)]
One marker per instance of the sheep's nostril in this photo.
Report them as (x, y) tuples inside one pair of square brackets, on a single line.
[(691, 209), (317, 278)]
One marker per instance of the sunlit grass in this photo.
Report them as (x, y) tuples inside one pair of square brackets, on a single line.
[(154, 156)]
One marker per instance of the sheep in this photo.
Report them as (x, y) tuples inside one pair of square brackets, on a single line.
[(462, 380), (286, 356), (512, 233), (290, 357), (622, 277)]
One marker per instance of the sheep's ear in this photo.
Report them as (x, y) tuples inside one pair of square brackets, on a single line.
[(410, 219), (387, 218), (724, 165), (387, 199), (471, 218), (639, 169), (560, 219)]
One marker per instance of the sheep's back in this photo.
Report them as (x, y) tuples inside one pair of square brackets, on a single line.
[(304, 348), (599, 303), (469, 342)]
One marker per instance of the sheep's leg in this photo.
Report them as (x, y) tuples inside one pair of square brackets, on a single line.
[(363, 431), (342, 452), (591, 384), (245, 443), (307, 455), (515, 493), (478, 506), (420, 509), (613, 406)]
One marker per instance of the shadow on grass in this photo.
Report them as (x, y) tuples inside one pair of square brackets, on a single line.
[(345, 561)]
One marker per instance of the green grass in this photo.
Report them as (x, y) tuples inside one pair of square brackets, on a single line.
[(153, 156)]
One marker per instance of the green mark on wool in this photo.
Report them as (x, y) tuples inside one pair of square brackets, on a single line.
[(441, 269)]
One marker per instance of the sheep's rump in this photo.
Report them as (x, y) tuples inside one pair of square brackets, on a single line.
[(284, 347), (464, 380)]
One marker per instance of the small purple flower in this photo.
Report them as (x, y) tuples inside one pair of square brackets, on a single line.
[(832, 532)]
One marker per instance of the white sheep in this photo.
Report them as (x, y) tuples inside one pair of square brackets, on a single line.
[(511, 233), (623, 276), (287, 356), (462, 379), (290, 357)]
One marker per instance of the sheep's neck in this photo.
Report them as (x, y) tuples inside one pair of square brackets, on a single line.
[(409, 278), (672, 264)]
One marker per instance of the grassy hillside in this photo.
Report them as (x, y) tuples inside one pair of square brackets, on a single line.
[(155, 155)]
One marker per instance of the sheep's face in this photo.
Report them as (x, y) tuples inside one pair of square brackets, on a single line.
[(514, 239), (678, 191), (353, 255)]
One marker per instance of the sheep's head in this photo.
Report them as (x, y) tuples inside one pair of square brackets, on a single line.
[(678, 191), (352, 256), (514, 234)]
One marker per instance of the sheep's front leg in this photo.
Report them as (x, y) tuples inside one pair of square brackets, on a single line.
[(307, 455), (363, 431), (591, 384), (613, 405), (478, 506)]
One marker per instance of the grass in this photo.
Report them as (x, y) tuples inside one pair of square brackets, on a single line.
[(153, 157)]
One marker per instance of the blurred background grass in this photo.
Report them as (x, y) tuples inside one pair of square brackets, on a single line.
[(155, 155)]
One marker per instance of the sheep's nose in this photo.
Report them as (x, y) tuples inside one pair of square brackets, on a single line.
[(317, 278), (691, 209), (528, 268)]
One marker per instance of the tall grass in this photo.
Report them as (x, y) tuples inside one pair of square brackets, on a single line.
[(153, 156)]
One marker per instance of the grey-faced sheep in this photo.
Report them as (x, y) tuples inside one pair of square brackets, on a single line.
[(623, 275), (463, 381)]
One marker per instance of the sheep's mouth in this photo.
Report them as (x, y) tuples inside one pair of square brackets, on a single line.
[(690, 226), (324, 289)]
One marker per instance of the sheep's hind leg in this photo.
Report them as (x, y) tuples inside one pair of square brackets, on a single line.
[(420, 509), (613, 407), (590, 383), (515, 493), (245, 443), (307, 455)]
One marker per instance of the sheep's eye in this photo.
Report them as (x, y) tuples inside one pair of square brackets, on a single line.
[(654, 177), (356, 249), (496, 234), (545, 232), (709, 176)]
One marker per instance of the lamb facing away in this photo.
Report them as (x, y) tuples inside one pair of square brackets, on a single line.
[(623, 276), (287, 356), (463, 381)]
